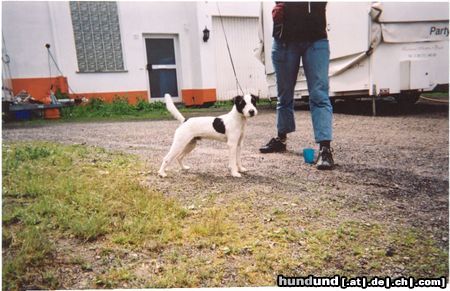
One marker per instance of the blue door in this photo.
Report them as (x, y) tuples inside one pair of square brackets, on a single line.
[(161, 67)]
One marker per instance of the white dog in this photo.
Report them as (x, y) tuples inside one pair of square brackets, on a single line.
[(229, 127)]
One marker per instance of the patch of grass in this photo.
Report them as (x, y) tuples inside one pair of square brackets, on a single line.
[(354, 246), (419, 254), (181, 268), (49, 279), (223, 104), (181, 274), (228, 104), (212, 225), (120, 110), (74, 191), (89, 196), (31, 248), (97, 109), (114, 278)]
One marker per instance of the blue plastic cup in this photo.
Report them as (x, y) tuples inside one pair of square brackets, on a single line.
[(308, 155)]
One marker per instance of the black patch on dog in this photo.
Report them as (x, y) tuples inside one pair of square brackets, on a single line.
[(218, 125), (254, 99), (240, 103)]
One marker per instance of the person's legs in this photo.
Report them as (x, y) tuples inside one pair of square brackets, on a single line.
[(286, 61), (316, 61)]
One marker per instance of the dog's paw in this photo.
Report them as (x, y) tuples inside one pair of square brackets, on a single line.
[(242, 170), (236, 175), (184, 167)]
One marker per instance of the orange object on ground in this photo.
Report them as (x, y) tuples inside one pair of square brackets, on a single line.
[(52, 113), (198, 96)]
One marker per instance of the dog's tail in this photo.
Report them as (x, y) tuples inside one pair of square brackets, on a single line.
[(173, 109)]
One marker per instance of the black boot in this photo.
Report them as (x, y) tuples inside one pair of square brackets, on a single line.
[(275, 145), (325, 159)]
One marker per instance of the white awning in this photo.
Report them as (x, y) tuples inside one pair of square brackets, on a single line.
[(414, 32)]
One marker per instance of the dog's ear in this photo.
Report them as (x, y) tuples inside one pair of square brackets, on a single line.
[(239, 102), (254, 99), (238, 99)]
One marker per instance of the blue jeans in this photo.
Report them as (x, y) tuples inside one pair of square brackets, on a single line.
[(316, 59)]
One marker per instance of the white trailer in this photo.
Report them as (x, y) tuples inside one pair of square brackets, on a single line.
[(397, 49)]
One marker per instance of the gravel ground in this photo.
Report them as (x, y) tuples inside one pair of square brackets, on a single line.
[(398, 162)]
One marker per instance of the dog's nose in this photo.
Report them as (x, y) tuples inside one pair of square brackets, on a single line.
[(251, 112)]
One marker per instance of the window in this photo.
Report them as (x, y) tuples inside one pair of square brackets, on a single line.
[(97, 36)]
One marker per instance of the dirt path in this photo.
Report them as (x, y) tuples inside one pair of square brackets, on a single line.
[(391, 169)]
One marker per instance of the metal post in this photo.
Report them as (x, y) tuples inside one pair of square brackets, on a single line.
[(374, 109)]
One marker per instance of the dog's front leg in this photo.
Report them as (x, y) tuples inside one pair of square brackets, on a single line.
[(239, 161), (232, 146)]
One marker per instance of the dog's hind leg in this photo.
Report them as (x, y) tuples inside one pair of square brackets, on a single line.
[(178, 145), (187, 149)]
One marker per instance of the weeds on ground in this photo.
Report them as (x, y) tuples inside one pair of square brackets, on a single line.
[(93, 197), (53, 191), (229, 103), (119, 108)]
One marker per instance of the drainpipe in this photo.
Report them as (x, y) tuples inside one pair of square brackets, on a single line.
[(372, 86)]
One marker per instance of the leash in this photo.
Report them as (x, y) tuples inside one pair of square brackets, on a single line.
[(229, 51)]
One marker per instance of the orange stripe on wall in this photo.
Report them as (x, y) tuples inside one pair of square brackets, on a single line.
[(198, 96), (132, 96), (39, 88)]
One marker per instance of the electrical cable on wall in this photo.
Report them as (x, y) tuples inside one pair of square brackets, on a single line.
[(7, 79), (50, 57), (49, 66)]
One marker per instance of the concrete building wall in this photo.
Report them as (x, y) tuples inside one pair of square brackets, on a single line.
[(50, 22)]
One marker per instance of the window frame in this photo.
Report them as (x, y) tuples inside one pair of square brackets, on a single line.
[(118, 68)]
